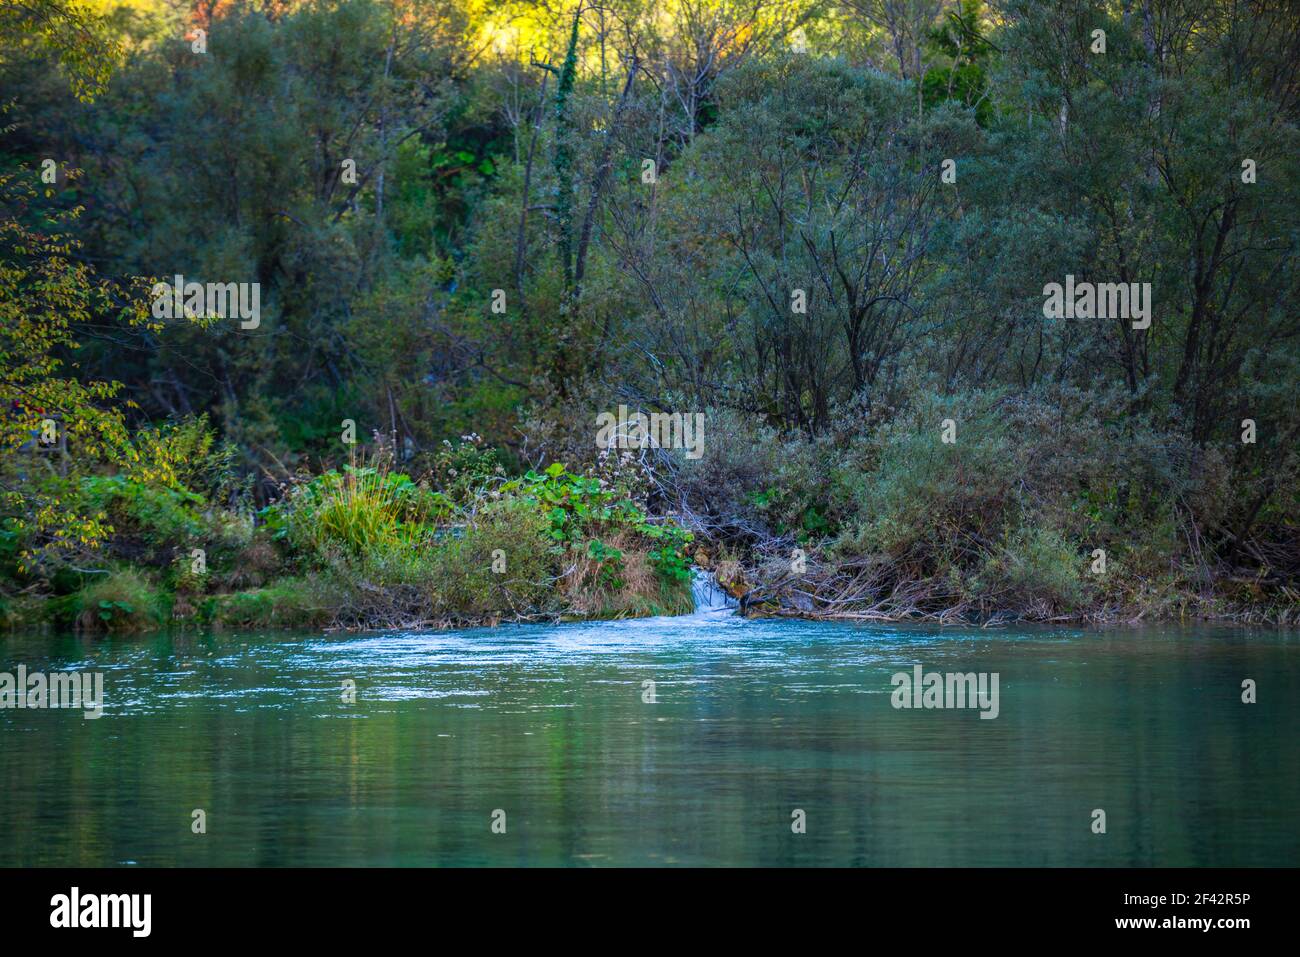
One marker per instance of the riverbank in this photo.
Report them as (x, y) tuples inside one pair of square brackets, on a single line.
[(865, 593), (449, 593), (458, 541), (361, 547)]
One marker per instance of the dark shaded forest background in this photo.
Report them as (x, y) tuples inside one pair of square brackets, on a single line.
[(794, 145)]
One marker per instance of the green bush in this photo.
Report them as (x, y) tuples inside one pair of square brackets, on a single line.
[(464, 471), (1034, 568), (147, 521), (513, 537), (122, 601), (584, 513), (927, 501), (290, 603)]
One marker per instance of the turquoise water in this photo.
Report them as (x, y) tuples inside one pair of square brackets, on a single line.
[(752, 721)]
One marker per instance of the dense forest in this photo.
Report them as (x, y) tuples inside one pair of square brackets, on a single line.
[(961, 310)]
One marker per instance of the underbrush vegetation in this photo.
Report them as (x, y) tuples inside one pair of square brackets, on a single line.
[(979, 505), (1051, 506), (361, 546)]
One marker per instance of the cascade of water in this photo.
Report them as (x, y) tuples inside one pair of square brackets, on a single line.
[(708, 596)]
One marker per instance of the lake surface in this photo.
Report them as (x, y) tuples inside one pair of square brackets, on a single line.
[(752, 721)]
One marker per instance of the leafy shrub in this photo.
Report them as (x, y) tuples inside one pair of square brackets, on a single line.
[(184, 455), (609, 563), (1034, 568), (573, 504), (509, 536), (145, 522), (927, 500), (495, 563), (584, 510), (465, 470), (122, 601), (289, 603)]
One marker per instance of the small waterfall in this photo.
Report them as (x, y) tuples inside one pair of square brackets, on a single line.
[(708, 596)]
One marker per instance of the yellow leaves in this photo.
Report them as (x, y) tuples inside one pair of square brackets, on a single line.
[(44, 294)]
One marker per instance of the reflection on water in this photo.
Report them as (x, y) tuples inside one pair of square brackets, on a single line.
[(751, 721)]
